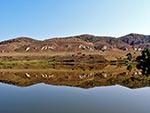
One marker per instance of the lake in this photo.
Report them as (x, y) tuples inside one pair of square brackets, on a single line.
[(112, 89)]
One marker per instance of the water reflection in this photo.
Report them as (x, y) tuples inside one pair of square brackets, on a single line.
[(145, 67), (41, 98), (83, 77)]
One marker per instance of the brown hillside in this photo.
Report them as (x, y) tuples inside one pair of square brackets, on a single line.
[(14, 44), (130, 42)]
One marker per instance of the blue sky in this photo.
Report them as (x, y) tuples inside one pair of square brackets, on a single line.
[(42, 19)]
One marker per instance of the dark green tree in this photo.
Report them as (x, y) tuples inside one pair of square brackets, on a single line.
[(129, 67), (144, 62), (129, 56)]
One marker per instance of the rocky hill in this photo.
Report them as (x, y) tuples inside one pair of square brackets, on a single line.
[(130, 42)]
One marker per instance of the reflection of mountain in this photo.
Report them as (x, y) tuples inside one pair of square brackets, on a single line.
[(110, 75)]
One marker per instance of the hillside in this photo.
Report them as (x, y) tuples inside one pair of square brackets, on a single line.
[(14, 44), (130, 42)]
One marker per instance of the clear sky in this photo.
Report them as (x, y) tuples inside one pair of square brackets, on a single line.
[(42, 19)]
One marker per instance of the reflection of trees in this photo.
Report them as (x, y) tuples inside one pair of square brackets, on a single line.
[(144, 62), (129, 61)]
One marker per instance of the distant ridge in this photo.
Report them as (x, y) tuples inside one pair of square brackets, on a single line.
[(85, 42)]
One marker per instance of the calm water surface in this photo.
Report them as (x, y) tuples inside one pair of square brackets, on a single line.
[(43, 98), (109, 90)]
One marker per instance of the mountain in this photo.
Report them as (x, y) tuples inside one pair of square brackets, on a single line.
[(137, 40), (86, 42), (14, 44)]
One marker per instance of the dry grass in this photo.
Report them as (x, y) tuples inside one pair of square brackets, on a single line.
[(108, 55)]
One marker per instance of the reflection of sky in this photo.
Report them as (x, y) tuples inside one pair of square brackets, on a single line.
[(54, 99)]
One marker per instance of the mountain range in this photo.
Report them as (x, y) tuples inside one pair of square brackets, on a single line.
[(85, 42)]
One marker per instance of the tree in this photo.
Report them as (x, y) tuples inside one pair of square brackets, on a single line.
[(129, 67), (144, 62), (145, 57), (129, 56)]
